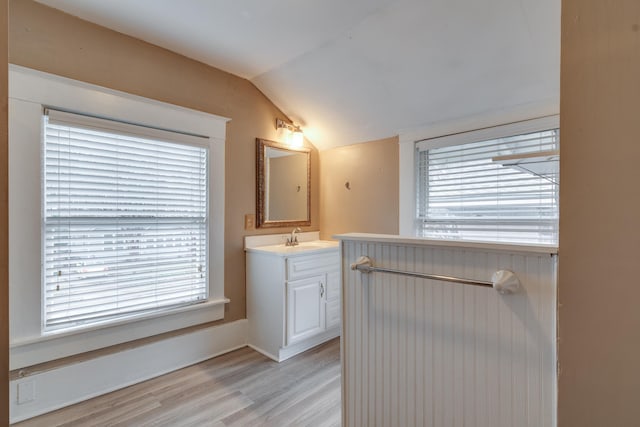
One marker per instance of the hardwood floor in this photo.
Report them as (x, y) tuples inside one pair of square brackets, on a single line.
[(241, 388)]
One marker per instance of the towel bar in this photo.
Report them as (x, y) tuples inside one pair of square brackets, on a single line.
[(503, 281)]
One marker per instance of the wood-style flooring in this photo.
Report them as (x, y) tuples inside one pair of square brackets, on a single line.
[(241, 388)]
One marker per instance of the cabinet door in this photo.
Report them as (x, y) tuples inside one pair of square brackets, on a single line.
[(333, 313), (305, 308), (333, 285)]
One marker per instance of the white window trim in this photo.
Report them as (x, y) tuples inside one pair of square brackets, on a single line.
[(529, 119), (29, 92)]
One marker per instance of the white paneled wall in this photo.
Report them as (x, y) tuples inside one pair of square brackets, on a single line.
[(419, 352)]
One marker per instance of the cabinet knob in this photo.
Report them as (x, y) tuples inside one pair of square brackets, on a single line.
[(321, 290)]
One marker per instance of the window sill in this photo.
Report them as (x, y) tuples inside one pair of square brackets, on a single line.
[(54, 345)]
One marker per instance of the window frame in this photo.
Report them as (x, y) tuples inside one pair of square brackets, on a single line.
[(30, 91), (449, 135)]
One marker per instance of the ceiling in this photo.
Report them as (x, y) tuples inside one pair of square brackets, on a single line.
[(359, 70)]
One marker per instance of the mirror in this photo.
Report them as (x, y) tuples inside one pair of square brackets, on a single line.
[(283, 184)]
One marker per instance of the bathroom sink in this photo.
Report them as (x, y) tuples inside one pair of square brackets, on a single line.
[(302, 247), (315, 244)]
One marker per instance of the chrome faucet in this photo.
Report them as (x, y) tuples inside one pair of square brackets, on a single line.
[(293, 239)]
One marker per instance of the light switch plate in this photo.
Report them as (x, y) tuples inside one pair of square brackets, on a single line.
[(250, 222)]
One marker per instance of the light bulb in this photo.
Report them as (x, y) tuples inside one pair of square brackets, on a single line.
[(297, 138)]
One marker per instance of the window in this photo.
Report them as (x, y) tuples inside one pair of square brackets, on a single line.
[(125, 212), (501, 188)]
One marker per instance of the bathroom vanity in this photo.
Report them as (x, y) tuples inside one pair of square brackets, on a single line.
[(293, 293)]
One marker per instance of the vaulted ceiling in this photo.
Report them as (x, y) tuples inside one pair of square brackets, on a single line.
[(358, 70)]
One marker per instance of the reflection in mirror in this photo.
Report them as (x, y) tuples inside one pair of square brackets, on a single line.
[(285, 176), (282, 185)]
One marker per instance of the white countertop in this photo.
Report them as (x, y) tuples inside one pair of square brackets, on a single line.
[(309, 243), (303, 248)]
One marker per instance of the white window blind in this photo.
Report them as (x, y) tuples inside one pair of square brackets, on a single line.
[(501, 189), (125, 217)]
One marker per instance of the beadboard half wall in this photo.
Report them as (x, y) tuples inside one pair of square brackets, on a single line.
[(420, 352)]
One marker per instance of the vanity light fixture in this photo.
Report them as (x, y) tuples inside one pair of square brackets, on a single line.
[(297, 138), (294, 135)]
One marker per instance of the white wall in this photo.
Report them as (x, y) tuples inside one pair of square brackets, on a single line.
[(54, 389)]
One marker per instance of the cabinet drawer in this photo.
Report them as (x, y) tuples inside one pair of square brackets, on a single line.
[(310, 265)]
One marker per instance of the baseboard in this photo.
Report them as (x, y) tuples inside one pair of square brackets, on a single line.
[(292, 350), (264, 352), (50, 390)]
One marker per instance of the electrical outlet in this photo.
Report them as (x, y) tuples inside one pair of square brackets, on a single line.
[(26, 392), (250, 222)]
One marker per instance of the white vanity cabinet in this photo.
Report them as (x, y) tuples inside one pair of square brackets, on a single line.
[(293, 298)]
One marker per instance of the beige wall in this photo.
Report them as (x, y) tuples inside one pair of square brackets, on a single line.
[(51, 41), (599, 282), (4, 215), (371, 205)]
